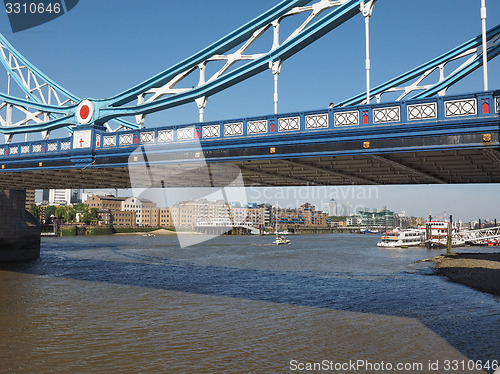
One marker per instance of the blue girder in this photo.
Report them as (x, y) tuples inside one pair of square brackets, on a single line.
[(115, 107), (475, 114), (109, 107)]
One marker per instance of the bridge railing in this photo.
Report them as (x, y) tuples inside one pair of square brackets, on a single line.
[(414, 112), (36, 147)]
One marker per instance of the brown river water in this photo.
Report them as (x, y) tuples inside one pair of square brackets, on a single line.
[(324, 304)]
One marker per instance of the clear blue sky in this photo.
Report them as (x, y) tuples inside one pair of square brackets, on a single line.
[(103, 47)]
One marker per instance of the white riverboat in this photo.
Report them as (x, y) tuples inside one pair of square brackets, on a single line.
[(402, 238), (436, 235)]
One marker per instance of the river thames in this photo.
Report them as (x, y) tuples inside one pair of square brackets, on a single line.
[(325, 303)]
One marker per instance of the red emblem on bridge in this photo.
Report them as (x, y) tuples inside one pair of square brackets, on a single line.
[(84, 112), (486, 106), (365, 118)]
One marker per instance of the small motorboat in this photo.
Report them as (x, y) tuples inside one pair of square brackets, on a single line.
[(280, 240)]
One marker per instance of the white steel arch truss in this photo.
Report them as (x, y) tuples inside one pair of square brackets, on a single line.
[(469, 55), (170, 88)]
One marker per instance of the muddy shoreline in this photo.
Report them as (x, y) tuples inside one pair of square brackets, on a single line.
[(480, 271)]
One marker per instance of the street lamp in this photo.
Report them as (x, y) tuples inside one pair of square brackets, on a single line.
[(485, 55)]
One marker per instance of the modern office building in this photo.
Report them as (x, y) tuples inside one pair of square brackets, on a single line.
[(30, 199), (62, 196), (330, 208)]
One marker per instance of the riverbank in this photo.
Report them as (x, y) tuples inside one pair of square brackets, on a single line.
[(82, 230), (159, 232), (476, 270)]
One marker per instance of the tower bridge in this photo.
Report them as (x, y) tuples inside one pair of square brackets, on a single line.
[(424, 137), (450, 139)]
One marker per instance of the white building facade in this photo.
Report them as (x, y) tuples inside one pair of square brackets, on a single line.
[(330, 208), (60, 197)]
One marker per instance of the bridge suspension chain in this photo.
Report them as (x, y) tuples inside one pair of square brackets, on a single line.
[(163, 91), (45, 104)]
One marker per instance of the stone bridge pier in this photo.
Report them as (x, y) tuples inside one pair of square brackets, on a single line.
[(19, 230)]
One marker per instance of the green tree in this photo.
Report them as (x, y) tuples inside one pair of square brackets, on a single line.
[(35, 211), (79, 207), (66, 213), (89, 215), (50, 210), (60, 212), (71, 214)]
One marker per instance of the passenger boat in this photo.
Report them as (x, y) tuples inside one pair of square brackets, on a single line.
[(436, 235), (369, 231), (402, 238)]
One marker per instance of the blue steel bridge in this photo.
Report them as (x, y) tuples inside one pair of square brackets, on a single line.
[(451, 139), (424, 136)]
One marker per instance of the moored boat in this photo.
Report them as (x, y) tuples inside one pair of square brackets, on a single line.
[(369, 231), (402, 238), (436, 235)]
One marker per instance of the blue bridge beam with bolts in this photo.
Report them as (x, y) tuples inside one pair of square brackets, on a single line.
[(450, 139), (392, 140)]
